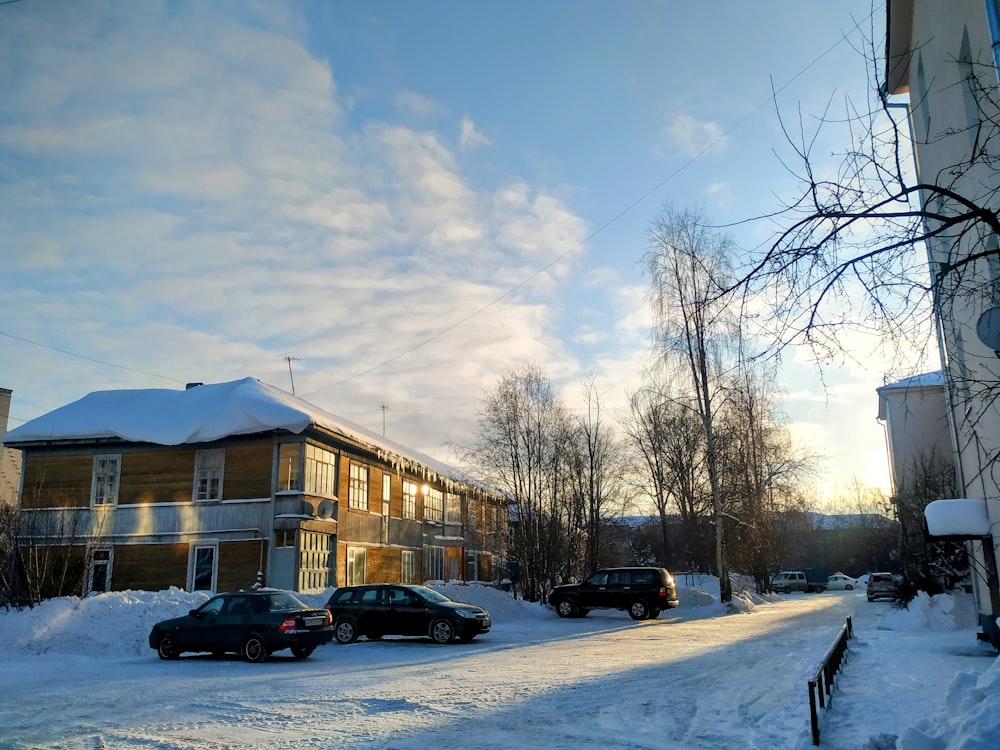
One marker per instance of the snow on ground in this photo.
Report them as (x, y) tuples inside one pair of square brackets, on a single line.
[(917, 670)]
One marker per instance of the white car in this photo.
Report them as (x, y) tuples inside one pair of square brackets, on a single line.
[(839, 581)]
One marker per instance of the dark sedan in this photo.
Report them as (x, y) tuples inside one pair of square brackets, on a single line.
[(253, 624), (398, 609)]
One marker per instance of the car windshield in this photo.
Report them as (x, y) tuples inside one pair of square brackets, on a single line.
[(283, 602), (431, 595)]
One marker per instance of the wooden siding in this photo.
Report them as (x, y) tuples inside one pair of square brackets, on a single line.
[(385, 564), (359, 527), (248, 470), (150, 567), (157, 476), (239, 562), (57, 481)]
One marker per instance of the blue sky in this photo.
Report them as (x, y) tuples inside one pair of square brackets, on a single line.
[(406, 197)]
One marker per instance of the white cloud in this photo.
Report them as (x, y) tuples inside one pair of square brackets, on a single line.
[(415, 103), (469, 137), (688, 137)]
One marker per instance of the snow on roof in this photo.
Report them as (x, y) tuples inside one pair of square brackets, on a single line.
[(205, 413), (957, 517), (916, 381)]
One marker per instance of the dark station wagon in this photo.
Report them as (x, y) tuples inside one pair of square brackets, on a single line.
[(253, 624), (377, 610), (642, 592)]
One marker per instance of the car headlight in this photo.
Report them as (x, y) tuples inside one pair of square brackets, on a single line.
[(467, 613)]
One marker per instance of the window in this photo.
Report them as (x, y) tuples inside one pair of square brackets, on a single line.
[(290, 467), (434, 563), (99, 578), (284, 538), (408, 573), (386, 489), (452, 508), (409, 499), (356, 557), (208, 475), (357, 491), (104, 487), (316, 558), (321, 471), (203, 567), (434, 505)]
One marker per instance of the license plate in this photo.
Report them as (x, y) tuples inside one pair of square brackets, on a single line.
[(312, 622)]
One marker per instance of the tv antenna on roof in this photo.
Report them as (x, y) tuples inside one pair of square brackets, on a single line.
[(289, 358), (384, 409)]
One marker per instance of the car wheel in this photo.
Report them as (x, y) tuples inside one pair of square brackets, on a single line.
[(565, 608), (346, 631), (254, 649), (167, 648), (302, 652), (849, 587), (638, 610), (442, 631)]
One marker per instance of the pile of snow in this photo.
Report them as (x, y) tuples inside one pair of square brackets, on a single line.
[(968, 720), (952, 611)]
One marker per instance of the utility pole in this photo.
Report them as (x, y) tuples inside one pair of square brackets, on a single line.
[(289, 358)]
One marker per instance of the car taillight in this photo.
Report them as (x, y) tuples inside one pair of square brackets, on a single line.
[(329, 617), (288, 624), (663, 592)]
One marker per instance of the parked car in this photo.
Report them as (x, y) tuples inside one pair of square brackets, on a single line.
[(841, 582), (642, 592), (882, 586), (377, 610), (803, 581), (253, 624)]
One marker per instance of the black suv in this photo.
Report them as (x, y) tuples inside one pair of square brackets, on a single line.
[(400, 609), (642, 592)]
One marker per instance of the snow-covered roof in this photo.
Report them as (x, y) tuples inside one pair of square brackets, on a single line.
[(205, 413), (916, 381), (957, 517)]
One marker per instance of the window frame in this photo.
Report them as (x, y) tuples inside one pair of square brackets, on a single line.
[(205, 470), (409, 499), (354, 556), (193, 565), (434, 505), (452, 508), (92, 566), (408, 566), (358, 486), (99, 479), (319, 473)]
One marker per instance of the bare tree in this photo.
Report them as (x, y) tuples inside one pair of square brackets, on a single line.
[(598, 472), (523, 433), (688, 264), (668, 442)]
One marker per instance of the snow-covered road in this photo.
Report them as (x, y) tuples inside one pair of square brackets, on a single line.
[(603, 681)]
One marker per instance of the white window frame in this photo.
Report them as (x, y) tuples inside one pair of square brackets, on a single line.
[(452, 508), (408, 566), (357, 566), (434, 563), (193, 561), (434, 505), (409, 499), (107, 564), (357, 488), (209, 467), (104, 484), (320, 471)]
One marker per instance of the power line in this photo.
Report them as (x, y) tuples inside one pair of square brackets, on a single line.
[(89, 359)]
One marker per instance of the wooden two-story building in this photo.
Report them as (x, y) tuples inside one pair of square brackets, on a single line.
[(203, 488)]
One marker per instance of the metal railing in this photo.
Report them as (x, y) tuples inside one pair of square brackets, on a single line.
[(821, 685)]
